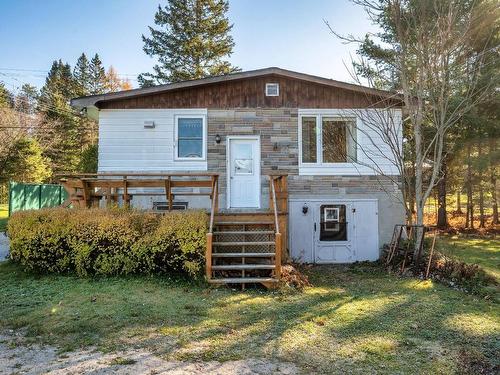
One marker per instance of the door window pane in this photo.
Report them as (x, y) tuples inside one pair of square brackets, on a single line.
[(309, 146), (333, 224), (243, 166), (190, 137)]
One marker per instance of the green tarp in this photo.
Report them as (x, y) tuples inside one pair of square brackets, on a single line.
[(34, 196)]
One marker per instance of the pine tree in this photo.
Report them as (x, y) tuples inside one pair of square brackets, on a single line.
[(97, 81), (192, 41), (26, 100), (5, 96), (81, 75), (61, 137)]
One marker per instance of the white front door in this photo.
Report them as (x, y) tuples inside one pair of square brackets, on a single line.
[(244, 172)]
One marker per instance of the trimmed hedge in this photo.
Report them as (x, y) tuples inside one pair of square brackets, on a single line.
[(108, 242)]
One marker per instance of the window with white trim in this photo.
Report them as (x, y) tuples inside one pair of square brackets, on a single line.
[(327, 139), (190, 137), (272, 89)]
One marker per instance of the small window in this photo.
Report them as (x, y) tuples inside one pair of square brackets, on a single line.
[(190, 138), (333, 223), (163, 206), (272, 89)]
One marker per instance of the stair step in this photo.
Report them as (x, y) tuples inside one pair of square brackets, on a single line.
[(242, 255), (244, 232), (246, 243), (244, 267), (241, 280), (262, 222)]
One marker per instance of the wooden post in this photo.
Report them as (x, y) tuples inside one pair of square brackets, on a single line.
[(169, 193), (277, 257), (208, 257), (126, 202), (86, 195), (215, 192), (284, 190), (430, 254), (270, 191)]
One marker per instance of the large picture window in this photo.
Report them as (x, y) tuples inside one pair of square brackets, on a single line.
[(327, 140), (190, 138)]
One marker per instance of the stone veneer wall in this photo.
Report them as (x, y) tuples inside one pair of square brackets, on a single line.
[(278, 142), (278, 130)]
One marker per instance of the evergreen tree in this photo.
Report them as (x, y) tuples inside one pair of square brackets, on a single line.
[(5, 96), (97, 82), (25, 162), (81, 75), (62, 131), (26, 100), (192, 41)]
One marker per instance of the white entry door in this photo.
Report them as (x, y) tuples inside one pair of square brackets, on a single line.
[(244, 172)]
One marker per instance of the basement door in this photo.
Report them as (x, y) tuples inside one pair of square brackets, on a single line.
[(243, 172), (334, 233)]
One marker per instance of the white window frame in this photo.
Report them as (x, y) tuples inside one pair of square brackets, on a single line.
[(326, 220), (277, 88), (176, 138), (319, 167)]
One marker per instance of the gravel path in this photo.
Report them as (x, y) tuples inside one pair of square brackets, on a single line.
[(4, 246), (18, 358)]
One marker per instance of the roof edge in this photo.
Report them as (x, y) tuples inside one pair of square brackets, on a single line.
[(93, 100)]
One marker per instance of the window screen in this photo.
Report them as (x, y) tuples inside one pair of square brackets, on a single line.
[(333, 224), (190, 138), (309, 140)]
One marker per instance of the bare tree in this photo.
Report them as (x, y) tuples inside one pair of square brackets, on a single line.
[(432, 52)]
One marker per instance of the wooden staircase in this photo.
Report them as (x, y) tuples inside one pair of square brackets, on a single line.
[(246, 247)]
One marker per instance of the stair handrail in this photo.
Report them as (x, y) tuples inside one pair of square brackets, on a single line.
[(208, 252), (275, 209)]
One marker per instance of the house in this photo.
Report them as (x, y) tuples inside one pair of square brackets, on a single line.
[(317, 133)]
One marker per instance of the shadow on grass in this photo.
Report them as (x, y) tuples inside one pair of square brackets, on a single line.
[(354, 317)]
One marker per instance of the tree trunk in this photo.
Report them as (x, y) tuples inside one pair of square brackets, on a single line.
[(469, 221), (480, 183), (442, 219), (459, 201), (493, 180)]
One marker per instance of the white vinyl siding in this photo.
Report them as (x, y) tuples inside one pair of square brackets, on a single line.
[(370, 147), (125, 145)]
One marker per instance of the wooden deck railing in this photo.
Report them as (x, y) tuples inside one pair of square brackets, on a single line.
[(87, 190)]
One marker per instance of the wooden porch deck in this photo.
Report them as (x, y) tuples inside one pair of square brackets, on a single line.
[(242, 246)]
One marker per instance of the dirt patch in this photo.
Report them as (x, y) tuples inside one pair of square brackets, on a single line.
[(18, 357)]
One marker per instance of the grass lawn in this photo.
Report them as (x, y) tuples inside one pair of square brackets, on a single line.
[(355, 319), (4, 213), (482, 251)]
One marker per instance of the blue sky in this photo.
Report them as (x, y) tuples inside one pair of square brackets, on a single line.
[(290, 34)]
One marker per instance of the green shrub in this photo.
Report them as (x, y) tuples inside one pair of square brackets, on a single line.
[(108, 242)]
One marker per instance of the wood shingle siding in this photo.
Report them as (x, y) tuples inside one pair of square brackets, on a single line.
[(250, 93)]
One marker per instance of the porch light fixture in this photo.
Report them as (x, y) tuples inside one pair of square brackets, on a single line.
[(217, 138), (305, 209)]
